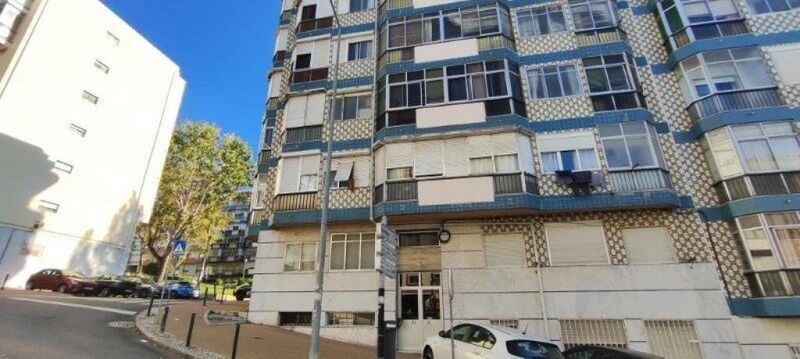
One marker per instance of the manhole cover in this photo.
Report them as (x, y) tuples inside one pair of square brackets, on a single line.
[(121, 324)]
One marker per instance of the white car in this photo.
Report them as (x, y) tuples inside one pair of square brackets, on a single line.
[(473, 340)]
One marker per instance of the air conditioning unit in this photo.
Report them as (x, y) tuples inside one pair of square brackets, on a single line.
[(564, 177), (582, 178)]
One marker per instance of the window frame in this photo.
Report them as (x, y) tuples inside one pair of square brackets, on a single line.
[(579, 164), (361, 253), (652, 140), (339, 106), (302, 247), (559, 70), (683, 75), (764, 136), (610, 6), (751, 6), (534, 14), (628, 66), (359, 46), (364, 5), (330, 320)]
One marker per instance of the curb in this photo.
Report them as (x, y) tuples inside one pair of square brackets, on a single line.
[(150, 330)]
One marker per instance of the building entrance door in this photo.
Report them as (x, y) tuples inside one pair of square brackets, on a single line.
[(420, 299)]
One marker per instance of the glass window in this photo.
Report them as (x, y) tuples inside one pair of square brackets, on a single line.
[(481, 337), (400, 173), (766, 147), (481, 166), (719, 71), (300, 257), (541, 21), (359, 5), (353, 251), (350, 318), (353, 107), (506, 163), (359, 50), (553, 81), (630, 145), (419, 239), (613, 83), (777, 234), (431, 304), (766, 6), (571, 160), (294, 318), (308, 183), (593, 14), (303, 61)]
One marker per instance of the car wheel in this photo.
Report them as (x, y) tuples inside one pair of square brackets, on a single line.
[(105, 292), (29, 286), (62, 288), (427, 353)]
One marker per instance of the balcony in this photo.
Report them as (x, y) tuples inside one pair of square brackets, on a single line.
[(496, 42), (286, 17), (602, 36), (639, 180), (10, 16), (408, 190), (774, 283), (314, 24), (393, 4), (256, 216), (707, 31), (278, 59), (303, 76), (758, 185), (296, 201), (733, 101), (304, 134)]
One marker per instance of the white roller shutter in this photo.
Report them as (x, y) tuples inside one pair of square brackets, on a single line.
[(504, 144), (504, 250), (343, 171), (428, 158), (576, 243), (361, 171), (565, 142), (456, 162), (310, 165), (648, 245), (479, 146), (324, 9), (525, 153), (303, 48), (290, 175), (315, 109), (785, 60), (280, 41), (380, 165), (296, 111), (399, 155), (321, 55), (275, 85)]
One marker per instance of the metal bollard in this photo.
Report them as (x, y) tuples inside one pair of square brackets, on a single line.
[(222, 296), (191, 329), (215, 293), (150, 308), (205, 297), (3, 287), (235, 341), (164, 319)]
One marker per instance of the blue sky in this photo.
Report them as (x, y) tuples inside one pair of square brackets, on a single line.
[(224, 53)]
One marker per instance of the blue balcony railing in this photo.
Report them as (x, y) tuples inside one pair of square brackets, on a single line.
[(734, 101)]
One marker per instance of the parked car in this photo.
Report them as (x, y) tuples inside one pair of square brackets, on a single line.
[(182, 290), (61, 280), (488, 341), (146, 287), (596, 352), (242, 291), (116, 286)]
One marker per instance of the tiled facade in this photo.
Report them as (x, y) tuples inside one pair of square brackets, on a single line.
[(709, 260)]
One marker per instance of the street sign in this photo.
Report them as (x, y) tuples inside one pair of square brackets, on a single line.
[(178, 248), (386, 250)]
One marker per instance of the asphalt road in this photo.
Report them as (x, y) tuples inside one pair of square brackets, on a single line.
[(46, 325)]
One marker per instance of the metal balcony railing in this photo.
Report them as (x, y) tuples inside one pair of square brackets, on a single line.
[(496, 42), (286, 16), (514, 183), (602, 36), (394, 4), (639, 180), (707, 31), (304, 134), (399, 55), (758, 185), (273, 102), (256, 216), (734, 101), (774, 283), (401, 191), (296, 201), (511, 183), (302, 76), (264, 157), (315, 24)]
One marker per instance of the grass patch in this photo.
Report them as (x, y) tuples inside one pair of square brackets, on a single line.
[(203, 286)]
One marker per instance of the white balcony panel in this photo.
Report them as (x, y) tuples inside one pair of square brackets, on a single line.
[(455, 191), (425, 3), (446, 50), (451, 115)]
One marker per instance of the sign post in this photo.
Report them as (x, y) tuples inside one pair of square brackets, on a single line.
[(178, 251), (386, 265), (450, 294)]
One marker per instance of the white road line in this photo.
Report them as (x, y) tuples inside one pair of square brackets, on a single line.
[(102, 309)]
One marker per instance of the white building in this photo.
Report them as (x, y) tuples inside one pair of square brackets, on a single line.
[(87, 109)]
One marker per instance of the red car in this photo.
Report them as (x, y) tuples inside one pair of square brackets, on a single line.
[(63, 281)]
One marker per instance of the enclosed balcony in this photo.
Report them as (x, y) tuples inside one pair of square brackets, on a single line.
[(278, 59), (639, 180), (314, 24), (309, 75), (682, 22), (303, 134), (734, 101), (11, 13), (758, 185), (774, 283)]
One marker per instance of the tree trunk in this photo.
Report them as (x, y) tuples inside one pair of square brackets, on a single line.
[(162, 271)]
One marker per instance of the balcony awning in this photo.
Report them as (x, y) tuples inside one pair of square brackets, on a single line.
[(344, 172)]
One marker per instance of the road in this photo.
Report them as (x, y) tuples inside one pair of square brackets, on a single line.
[(47, 325)]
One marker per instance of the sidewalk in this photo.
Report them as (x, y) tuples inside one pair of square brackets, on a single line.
[(255, 341)]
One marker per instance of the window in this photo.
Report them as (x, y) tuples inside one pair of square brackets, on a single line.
[(766, 6), (504, 250), (47, 206), (553, 81), (648, 245), (269, 133), (80, 131), (493, 154), (772, 241), (90, 97), (770, 146), (101, 66), (112, 38), (63, 166), (569, 160), (437, 26), (722, 71), (300, 257), (613, 83), (481, 337), (359, 50), (541, 21), (606, 333), (593, 14), (419, 239), (300, 319), (299, 174), (353, 251), (342, 174), (784, 59), (353, 107), (576, 243), (359, 5), (350, 319), (402, 173), (631, 145), (673, 339), (303, 61), (308, 12)]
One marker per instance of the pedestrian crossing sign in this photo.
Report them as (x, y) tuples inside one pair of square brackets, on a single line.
[(178, 248)]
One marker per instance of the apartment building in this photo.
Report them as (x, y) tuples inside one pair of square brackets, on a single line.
[(619, 173), (87, 109), (233, 255)]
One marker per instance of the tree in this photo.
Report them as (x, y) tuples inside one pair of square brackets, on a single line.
[(202, 173)]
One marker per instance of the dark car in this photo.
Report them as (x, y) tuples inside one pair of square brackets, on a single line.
[(595, 352), (61, 280), (242, 291), (146, 287), (116, 286)]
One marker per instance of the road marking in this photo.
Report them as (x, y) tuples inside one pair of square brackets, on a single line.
[(102, 309)]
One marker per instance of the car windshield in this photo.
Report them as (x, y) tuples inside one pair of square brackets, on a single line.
[(529, 349), (73, 274)]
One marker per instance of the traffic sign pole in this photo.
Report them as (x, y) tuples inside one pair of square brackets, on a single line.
[(386, 264)]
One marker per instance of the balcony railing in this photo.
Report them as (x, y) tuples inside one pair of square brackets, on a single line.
[(304, 134), (286, 16), (512, 183), (315, 24), (776, 283), (302, 76), (707, 31), (734, 101), (394, 4), (296, 201), (602, 36), (401, 191), (758, 185), (256, 216), (278, 59), (264, 157), (495, 42), (515, 183), (639, 180), (399, 55)]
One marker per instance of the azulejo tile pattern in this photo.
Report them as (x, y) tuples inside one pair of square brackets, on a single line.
[(772, 22), (345, 198), (352, 129), (355, 69), (556, 108)]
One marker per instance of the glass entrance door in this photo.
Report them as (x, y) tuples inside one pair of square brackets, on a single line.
[(420, 309)]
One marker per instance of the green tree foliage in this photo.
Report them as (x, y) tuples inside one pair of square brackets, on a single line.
[(202, 173)]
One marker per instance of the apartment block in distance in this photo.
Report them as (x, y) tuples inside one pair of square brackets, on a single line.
[(87, 109), (617, 173)]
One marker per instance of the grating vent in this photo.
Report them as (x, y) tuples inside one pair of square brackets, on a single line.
[(607, 333), (673, 339), (508, 323)]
